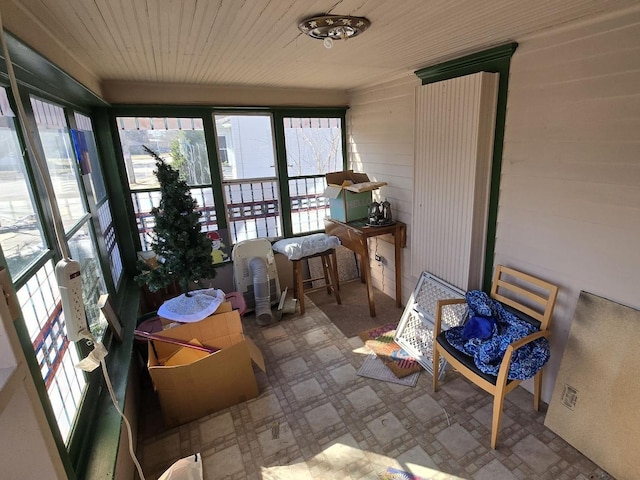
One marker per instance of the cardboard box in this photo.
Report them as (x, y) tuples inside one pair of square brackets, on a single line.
[(185, 355), (217, 381), (349, 194)]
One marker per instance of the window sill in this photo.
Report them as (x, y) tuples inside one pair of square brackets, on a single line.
[(100, 457)]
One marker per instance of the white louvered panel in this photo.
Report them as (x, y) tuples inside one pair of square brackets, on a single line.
[(454, 143)]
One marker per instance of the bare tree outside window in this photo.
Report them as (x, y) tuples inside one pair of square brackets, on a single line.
[(314, 145)]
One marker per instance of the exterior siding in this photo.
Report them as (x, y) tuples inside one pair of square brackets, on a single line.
[(569, 206), (380, 129)]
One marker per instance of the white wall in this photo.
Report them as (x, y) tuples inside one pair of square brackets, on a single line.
[(380, 123), (569, 207), (570, 189), (27, 446)]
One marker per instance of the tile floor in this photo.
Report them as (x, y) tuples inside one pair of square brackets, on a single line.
[(315, 418)]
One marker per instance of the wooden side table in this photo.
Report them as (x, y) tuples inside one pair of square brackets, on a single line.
[(355, 235)]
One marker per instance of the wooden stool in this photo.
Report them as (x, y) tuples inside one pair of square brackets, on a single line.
[(330, 269)]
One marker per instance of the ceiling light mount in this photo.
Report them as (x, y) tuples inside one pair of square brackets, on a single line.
[(333, 27)]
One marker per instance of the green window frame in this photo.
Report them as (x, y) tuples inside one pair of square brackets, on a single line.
[(219, 155)]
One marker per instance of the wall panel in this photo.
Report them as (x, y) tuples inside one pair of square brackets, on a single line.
[(570, 188), (454, 146), (380, 125)]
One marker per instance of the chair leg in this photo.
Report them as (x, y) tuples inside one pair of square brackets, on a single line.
[(334, 263), (436, 366), (537, 390), (325, 271), (498, 401), (299, 289), (334, 280)]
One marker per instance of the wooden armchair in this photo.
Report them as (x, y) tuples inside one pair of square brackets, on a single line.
[(527, 297)]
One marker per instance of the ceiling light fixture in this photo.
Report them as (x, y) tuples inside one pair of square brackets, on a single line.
[(333, 27)]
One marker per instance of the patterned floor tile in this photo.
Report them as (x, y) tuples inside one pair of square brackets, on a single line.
[(222, 464), (263, 407), (363, 397), (386, 428), (322, 417), (315, 419), (458, 441), (536, 454), (306, 389), (494, 471), (215, 427)]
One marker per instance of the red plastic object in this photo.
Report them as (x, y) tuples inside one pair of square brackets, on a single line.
[(237, 302), (151, 325)]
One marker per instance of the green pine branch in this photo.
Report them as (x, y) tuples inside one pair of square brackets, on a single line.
[(183, 250)]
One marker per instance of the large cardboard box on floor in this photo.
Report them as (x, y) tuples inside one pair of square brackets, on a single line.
[(349, 194), (205, 385)]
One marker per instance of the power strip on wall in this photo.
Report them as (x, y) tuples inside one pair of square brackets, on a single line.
[(70, 285)]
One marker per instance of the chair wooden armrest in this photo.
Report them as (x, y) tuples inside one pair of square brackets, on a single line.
[(511, 349), (438, 320), (437, 328), (513, 346)]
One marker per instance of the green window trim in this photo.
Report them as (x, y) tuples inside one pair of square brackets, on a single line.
[(99, 453), (94, 442), (116, 178), (494, 60)]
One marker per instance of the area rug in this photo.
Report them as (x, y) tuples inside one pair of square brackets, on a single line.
[(374, 368), (352, 317), (380, 340), (395, 474)]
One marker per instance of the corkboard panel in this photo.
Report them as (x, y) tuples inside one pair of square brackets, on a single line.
[(594, 405)]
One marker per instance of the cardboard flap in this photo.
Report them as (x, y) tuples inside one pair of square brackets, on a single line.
[(336, 178), (225, 307), (332, 191), (365, 186), (185, 355), (256, 354), (359, 177), (349, 180)]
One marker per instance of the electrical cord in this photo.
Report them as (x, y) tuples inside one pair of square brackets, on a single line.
[(90, 363), (124, 418)]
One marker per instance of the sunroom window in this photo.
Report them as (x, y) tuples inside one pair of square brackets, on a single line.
[(265, 179), (71, 163), (21, 234), (313, 148), (249, 175), (181, 143), (85, 147)]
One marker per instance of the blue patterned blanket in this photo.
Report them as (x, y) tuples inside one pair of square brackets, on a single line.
[(504, 328)]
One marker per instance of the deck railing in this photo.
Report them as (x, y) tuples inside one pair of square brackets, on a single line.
[(253, 209)]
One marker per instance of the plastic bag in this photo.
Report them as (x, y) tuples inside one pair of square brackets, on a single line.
[(188, 468)]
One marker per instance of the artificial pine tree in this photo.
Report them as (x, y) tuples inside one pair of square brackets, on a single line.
[(183, 251)]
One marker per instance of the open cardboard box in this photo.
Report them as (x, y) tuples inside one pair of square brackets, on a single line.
[(349, 194), (205, 385)]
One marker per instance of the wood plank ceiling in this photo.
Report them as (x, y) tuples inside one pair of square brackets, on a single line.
[(256, 43)]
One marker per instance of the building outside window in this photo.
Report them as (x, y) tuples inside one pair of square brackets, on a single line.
[(181, 143), (313, 148), (270, 189), (250, 176)]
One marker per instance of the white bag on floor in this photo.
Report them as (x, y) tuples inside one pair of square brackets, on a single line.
[(188, 468)]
